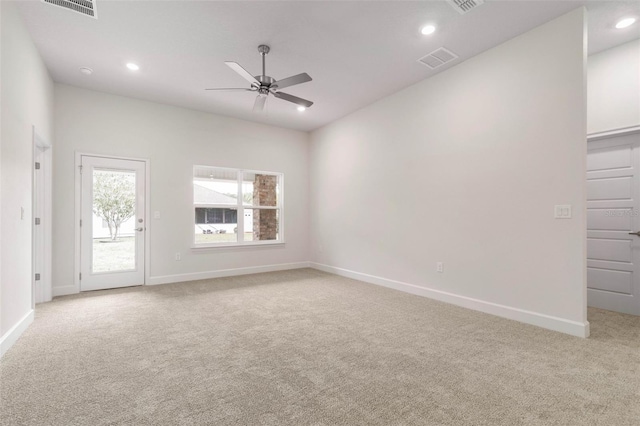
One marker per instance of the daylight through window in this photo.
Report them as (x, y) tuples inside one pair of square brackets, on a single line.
[(235, 207)]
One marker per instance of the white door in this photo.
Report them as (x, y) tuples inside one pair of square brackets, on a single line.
[(112, 226), (38, 227), (613, 223), (41, 220)]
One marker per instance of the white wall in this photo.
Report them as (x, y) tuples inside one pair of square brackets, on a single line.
[(174, 139), (477, 157), (613, 95), (27, 100)]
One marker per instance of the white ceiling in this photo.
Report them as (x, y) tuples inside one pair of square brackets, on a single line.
[(356, 51)]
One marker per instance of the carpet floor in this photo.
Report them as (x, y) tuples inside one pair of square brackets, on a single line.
[(304, 347)]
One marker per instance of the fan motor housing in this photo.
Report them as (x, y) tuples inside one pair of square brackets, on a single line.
[(265, 80), (265, 83)]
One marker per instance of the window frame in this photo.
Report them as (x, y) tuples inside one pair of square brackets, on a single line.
[(240, 208)]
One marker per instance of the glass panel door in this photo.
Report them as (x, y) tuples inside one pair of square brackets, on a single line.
[(113, 228)]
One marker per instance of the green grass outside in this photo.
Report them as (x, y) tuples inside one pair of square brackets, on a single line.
[(111, 256)]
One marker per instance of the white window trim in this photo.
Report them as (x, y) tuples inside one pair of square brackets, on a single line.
[(241, 207)]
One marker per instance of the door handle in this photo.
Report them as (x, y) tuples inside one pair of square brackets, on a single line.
[(142, 229), (637, 234)]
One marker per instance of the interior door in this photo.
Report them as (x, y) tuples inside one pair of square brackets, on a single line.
[(613, 222), (38, 225), (112, 226)]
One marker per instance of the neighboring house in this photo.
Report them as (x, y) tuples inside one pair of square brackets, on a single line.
[(217, 219)]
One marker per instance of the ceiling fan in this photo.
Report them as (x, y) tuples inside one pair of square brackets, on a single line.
[(265, 85)]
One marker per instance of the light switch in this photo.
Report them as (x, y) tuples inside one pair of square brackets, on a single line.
[(156, 215), (562, 211)]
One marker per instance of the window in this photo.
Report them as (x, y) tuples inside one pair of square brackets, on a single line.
[(221, 196), (205, 215)]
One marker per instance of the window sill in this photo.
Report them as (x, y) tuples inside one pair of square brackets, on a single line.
[(236, 245)]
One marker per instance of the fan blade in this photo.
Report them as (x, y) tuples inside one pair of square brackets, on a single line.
[(296, 100), (258, 106), (244, 73), (291, 81), (236, 89)]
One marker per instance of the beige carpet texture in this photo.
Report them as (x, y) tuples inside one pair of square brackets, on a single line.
[(303, 347)]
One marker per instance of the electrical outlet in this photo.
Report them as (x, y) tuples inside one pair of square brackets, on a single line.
[(439, 267), (178, 256)]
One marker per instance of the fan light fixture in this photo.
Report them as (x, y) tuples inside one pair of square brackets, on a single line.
[(132, 66), (624, 23), (301, 109)]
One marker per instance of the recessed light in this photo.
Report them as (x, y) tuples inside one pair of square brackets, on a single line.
[(428, 29), (301, 108), (132, 66), (624, 23), (86, 70)]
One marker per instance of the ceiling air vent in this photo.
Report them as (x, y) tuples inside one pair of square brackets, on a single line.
[(85, 7), (438, 57), (463, 6)]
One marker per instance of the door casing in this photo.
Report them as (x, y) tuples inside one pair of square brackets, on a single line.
[(42, 291), (78, 213)]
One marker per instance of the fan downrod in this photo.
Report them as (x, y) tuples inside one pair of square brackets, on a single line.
[(264, 79)]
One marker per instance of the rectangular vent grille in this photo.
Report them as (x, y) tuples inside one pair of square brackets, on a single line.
[(438, 58), (464, 6), (85, 7)]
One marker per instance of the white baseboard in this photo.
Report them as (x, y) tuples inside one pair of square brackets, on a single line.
[(166, 279), (192, 276), (14, 333), (562, 325), (65, 290)]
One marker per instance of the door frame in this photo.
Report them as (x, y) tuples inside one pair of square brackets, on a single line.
[(78, 213), (622, 131), (46, 283)]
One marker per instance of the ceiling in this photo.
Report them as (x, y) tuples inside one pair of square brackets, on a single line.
[(356, 51)]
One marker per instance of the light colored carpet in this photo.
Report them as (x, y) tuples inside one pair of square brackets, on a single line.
[(307, 348)]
